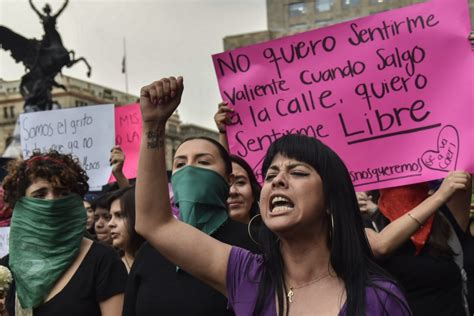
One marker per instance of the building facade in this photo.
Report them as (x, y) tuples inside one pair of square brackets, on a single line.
[(286, 17), (82, 93)]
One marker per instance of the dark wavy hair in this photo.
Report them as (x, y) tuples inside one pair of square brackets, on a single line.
[(127, 206), (59, 169), (350, 253), (255, 186)]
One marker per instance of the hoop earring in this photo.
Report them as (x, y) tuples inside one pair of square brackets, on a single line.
[(248, 228), (332, 224), (331, 229)]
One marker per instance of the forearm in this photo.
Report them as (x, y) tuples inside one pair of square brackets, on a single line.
[(152, 198), (34, 8), (400, 230), (121, 179), (223, 140)]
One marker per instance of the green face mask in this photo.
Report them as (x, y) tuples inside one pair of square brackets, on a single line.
[(45, 237), (201, 196)]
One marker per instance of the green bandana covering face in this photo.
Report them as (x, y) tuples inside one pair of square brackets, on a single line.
[(201, 196), (45, 237)]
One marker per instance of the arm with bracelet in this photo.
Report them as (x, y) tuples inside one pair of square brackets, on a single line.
[(400, 230)]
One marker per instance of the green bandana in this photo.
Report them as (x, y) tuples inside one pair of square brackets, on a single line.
[(45, 237), (201, 196)]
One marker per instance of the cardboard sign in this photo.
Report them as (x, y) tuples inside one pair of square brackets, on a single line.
[(390, 93), (128, 128), (84, 132)]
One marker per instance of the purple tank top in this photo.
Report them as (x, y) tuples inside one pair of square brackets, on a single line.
[(244, 271)]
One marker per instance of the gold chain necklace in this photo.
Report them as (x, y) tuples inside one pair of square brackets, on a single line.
[(290, 293)]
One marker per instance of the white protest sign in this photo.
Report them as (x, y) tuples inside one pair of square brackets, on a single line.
[(85, 132), (4, 237)]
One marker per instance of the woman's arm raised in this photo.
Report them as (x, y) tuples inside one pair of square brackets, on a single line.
[(221, 118), (460, 205), (384, 243), (187, 247)]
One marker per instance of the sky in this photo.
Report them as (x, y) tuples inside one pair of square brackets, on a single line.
[(163, 38)]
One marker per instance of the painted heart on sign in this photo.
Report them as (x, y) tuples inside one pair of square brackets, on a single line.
[(445, 158)]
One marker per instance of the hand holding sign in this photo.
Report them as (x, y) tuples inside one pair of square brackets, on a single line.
[(159, 100), (455, 181), (223, 116), (117, 159)]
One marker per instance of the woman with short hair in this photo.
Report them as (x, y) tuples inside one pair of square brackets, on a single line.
[(56, 270)]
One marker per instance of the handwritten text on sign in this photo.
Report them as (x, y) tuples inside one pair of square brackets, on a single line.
[(85, 132), (390, 93), (128, 127)]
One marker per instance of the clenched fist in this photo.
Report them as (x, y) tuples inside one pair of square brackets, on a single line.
[(159, 100)]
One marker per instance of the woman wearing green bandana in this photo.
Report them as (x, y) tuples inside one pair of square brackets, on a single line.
[(56, 270), (200, 181)]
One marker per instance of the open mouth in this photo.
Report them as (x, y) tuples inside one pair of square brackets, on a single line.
[(280, 204)]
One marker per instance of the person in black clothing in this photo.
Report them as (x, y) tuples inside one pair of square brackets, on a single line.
[(56, 270), (415, 242), (121, 205), (201, 176)]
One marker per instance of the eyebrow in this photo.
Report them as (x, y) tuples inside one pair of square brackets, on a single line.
[(290, 166), (39, 190), (240, 177), (200, 155)]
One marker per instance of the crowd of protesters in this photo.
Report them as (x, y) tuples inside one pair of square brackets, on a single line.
[(303, 242)]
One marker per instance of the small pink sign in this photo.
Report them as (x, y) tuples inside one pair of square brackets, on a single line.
[(128, 128)]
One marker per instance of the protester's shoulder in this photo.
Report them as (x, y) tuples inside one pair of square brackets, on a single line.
[(146, 252), (245, 261), (149, 260), (102, 252), (385, 294), (382, 285), (244, 273)]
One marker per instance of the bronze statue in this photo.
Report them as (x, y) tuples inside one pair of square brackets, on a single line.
[(43, 59)]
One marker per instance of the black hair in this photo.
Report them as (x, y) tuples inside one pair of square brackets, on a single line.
[(222, 151), (126, 197), (350, 253), (255, 186), (100, 202)]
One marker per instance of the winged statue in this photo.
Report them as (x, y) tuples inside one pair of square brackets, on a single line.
[(43, 59)]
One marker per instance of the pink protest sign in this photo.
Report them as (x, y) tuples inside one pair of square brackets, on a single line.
[(390, 93), (128, 126)]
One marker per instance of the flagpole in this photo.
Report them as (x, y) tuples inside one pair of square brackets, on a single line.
[(124, 64)]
